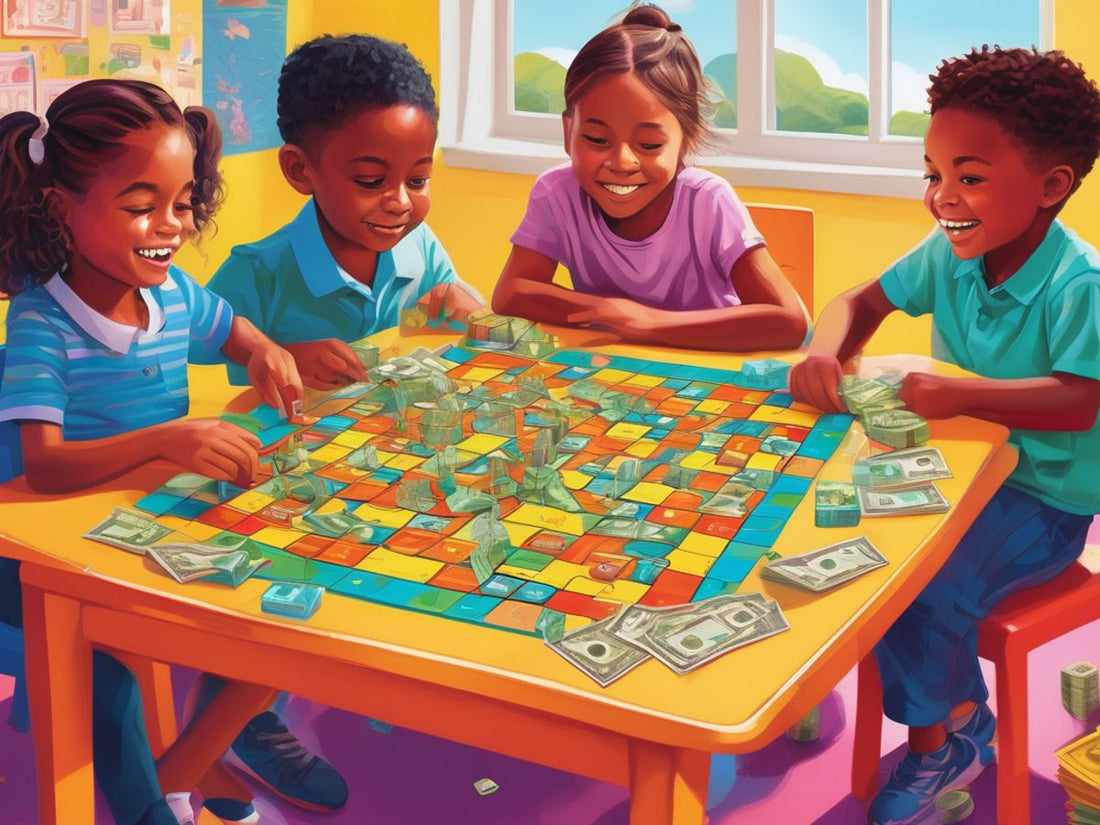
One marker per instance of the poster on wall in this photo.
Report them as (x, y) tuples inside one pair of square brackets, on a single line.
[(49, 90), (243, 42), (53, 18), (16, 82), (141, 17)]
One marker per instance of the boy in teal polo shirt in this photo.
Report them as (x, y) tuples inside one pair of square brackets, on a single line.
[(359, 119), (1014, 297)]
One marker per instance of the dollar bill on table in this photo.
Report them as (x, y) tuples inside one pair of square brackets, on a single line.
[(603, 656), (827, 567), (900, 468), (129, 530), (924, 498), (294, 600), (896, 428), (835, 504), (860, 393), (192, 562), (684, 637)]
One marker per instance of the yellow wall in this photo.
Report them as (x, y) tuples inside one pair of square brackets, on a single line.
[(474, 212)]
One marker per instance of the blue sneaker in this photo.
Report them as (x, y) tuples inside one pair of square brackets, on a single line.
[(231, 810), (273, 756), (909, 795), (979, 728)]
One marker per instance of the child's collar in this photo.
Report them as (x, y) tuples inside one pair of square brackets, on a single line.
[(113, 335)]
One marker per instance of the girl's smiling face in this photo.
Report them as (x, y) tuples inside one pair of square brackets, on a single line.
[(626, 148), (136, 212)]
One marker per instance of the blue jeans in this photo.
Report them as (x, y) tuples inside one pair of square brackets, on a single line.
[(929, 657), (124, 765)]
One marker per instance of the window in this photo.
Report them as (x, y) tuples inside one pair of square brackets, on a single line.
[(809, 95)]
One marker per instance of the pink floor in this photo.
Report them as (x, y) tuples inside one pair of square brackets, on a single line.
[(407, 778)]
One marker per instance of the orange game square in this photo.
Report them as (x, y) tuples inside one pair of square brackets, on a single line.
[(222, 517), (310, 546), (454, 577), (345, 553), (514, 615), (449, 549), (412, 541), (663, 514)]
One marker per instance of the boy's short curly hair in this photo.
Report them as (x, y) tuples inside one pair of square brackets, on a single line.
[(1042, 98), (328, 79)]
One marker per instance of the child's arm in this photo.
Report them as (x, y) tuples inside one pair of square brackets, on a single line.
[(842, 330), (1061, 401), (209, 446), (526, 289), (770, 315), (271, 369)]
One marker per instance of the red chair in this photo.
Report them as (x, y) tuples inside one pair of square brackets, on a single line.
[(1022, 622)]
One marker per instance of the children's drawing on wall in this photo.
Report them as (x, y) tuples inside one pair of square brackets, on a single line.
[(140, 16), (44, 18), (242, 69), (16, 82)]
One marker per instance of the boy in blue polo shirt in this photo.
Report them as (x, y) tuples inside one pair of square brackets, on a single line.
[(359, 118), (1014, 297)]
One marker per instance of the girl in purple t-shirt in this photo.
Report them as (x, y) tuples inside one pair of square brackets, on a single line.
[(659, 253)]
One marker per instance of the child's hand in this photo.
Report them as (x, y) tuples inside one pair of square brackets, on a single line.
[(446, 302), (816, 381), (930, 396), (272, 371), (327, 364), (213, 448), (628, 319)]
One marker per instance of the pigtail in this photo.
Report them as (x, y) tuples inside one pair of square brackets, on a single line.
[(209, 191), (34, 241)]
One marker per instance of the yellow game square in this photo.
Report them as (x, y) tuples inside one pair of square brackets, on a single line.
[(628, 431), (559, 573), (572, 622), (588, 587), (697, 460), (643, 448), (247, 502), (641, 380), (352, 438), (763, 461), (175, 522), (404, 461), (710, 546), (330, 453), (552, 519), (201, 532), (624, 590), (684, 562), (277, 536), (711, 407), (384, 516), (333, 505), (648, 493), (783, 415), (610, 376), (481, 444), (385, 455), (518, 533), (482, 373), (574, 479), (517, 572), (386, 562)]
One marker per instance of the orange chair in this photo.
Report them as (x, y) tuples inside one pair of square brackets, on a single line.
[(789, 231), (1022, 622)]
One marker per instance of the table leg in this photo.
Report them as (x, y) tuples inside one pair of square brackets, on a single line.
[(59, 683), (668, 786)]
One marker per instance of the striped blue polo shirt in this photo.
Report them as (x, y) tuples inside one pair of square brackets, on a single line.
[(67, 364)]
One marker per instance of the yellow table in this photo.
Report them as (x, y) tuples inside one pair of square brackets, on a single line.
[(652, 730)]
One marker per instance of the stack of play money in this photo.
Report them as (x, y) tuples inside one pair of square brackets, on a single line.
[(896, 428), (861, 394), (769, 374), (1080, 689), (827, 567), (1079, 773), (292, 599), (900, 468), (836, 504), (954, 806), (923, 498), (486, 329), (367, 353)]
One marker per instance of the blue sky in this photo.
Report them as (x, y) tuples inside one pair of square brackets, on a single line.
[(925, 32)]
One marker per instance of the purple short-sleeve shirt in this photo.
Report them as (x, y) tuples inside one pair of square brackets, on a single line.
[(684, 265)]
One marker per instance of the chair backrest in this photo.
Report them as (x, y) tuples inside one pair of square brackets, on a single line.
[(789, 231), (11, 453)]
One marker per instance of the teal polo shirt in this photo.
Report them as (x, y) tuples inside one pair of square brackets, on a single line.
[(1042, 320), (290, 286)]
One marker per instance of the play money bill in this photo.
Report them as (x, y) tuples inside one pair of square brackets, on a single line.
[(827, 567), (603, 656), (129, 530)]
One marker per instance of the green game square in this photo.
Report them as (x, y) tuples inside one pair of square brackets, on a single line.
[(435, 600), (529, 559)]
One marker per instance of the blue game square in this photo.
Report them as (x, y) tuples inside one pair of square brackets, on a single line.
[(534, 592)]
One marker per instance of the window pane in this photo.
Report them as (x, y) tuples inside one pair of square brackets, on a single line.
[(547, 35), (820, 56), (920, 41)]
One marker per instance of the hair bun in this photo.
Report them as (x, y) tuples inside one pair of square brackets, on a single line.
[(672, 28), (649, 15)]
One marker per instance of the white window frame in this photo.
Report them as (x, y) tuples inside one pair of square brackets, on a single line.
[(479, 128)]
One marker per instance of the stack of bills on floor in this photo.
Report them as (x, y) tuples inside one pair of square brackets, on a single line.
[(828, 567), (683, 637), (1079, 773)]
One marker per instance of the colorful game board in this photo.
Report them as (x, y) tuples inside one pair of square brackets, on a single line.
[(519, 493)]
